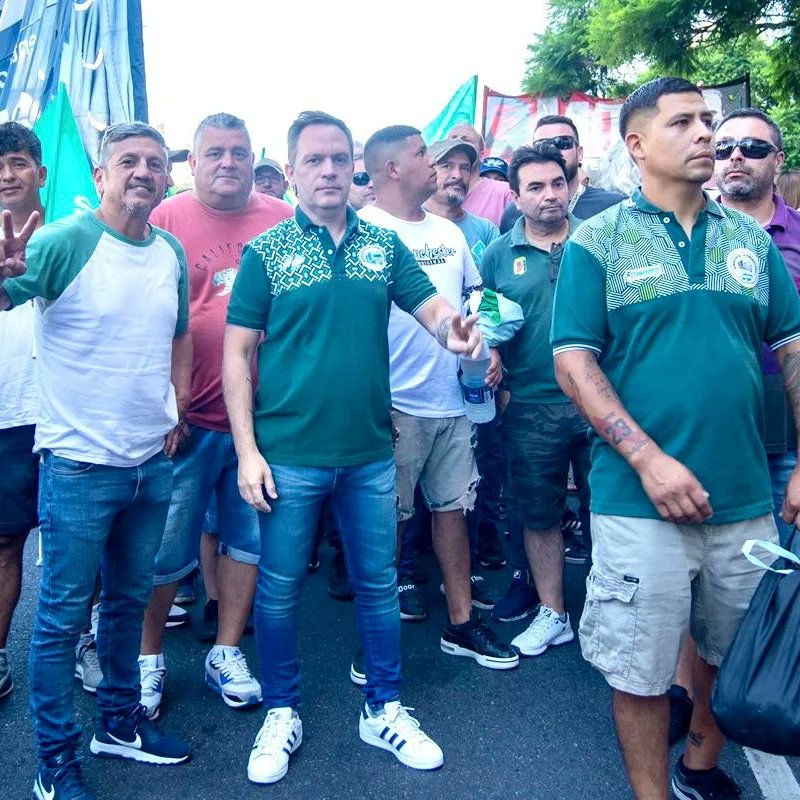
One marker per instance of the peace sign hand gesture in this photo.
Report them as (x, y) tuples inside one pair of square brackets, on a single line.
[(12, 245)]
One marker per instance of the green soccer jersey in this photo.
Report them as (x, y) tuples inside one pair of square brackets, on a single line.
[(527, 275), (323, 394), (677, 325)]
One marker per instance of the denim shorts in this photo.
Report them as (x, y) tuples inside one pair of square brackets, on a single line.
[(20, 474), (205, 468), (541, 441)]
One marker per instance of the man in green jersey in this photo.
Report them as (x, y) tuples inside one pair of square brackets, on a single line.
[(319, 287), (661, 307)]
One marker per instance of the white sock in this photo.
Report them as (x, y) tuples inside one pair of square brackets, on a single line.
[(224, 650), (152, 662)]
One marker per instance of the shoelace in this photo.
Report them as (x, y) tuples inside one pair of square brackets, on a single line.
[(234, 668), (88, 654), (151, 678), (407, 726), (276, 729)]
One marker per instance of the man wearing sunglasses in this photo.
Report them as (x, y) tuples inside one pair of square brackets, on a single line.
[(362, 192), (585, 201), (749, 156), (661, 307)]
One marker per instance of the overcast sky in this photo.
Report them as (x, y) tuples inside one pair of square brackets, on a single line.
[(372, 63)]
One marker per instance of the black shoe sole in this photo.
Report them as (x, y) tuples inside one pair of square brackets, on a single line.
[(490, 662), (413, 617), (518, 617), (486, 564)]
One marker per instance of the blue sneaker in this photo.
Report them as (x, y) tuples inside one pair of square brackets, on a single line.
[(519, 601), (60, 778), (134, 736)]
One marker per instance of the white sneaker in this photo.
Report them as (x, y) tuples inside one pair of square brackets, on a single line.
[(152, 674), (177, 616), (280, 735), (87, 665), (228, 675), (395, 730), (546, 630)]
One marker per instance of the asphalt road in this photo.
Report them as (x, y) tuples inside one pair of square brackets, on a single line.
[(542, 731)]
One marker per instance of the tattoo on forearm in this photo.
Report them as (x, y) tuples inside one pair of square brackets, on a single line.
[(442, 331), (615, 430), (791, 378), (696, 738)]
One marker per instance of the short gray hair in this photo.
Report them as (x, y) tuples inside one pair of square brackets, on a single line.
[(127, 130), (221, 120)]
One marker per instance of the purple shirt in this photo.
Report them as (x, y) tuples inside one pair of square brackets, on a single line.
[(784, 228)]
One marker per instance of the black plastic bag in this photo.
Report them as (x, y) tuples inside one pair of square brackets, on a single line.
[(756, 697)]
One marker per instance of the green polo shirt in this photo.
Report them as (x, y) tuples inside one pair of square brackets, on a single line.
[(527, 275), (323, 393), (677, 325)]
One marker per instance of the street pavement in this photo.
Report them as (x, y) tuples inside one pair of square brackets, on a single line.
[(540, 732)]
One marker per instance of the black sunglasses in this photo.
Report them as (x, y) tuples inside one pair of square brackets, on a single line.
[(750, 147), (561, 142), (360, 178)]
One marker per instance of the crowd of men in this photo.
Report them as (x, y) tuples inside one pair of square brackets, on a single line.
[(181, 382)]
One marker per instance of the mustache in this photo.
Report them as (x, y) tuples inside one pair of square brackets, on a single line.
[(141, 185)]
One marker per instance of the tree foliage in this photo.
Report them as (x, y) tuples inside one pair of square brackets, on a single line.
[(607, 47)]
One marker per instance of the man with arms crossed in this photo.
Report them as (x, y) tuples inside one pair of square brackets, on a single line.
[(319, 287), (662, 304)]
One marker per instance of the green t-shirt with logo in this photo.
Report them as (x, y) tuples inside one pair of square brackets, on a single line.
[(323, 393), (677, 325)]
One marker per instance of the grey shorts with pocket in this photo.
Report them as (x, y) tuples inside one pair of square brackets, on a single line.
[(652, 580), (439, 455)]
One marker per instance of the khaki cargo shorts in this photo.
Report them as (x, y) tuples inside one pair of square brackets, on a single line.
[(439, 455), (652, 580)]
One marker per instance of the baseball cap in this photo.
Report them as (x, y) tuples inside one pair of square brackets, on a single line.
[(270, 163), (438, 150), (494, 164), (178, 156)]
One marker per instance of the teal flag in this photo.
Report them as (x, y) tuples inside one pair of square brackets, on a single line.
[(69, 186), (460, 108)]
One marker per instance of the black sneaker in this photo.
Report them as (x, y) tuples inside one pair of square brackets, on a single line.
[(60, 778), (339, 586), (481, 598), (475, 639), (519, 601), (575, 552), (707, 784), (207, 629), (412, 601), (357, 672), (570, 523), (136, 737), (680, 713), (490, 551), (313, 561), (6, 681)]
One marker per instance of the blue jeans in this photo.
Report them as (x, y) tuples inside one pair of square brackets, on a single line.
[(781, 466), (363, 502), (93, 518), (205, 471)]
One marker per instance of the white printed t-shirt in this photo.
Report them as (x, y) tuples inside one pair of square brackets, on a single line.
[(423, 375), (110, 308)]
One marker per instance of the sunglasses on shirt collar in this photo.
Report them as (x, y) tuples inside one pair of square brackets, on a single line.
[(360, 178), (750, 147), (561, 142)]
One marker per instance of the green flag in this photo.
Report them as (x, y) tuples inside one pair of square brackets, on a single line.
[(460, 108), (69, 186)]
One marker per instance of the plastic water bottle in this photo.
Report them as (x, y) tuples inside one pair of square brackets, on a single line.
[(478, 397)]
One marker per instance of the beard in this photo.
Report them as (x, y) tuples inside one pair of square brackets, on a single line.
[(748, 189), (571, 170)]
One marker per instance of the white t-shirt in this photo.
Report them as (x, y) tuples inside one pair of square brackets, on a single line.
[(423, 375), (17, 367), (110, 308)]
